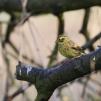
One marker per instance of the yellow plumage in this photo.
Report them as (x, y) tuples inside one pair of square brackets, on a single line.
[(68, 48)]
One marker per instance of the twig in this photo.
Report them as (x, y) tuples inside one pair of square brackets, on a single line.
[(25, 57), (9, 74), (19, 91), (11, 26), (91, 41), (84, 30)]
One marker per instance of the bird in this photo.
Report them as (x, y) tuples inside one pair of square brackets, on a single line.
[(68, 48)]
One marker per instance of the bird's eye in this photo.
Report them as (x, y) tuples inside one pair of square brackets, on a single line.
[(61, 39)]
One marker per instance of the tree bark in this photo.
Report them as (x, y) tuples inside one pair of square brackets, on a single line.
[(47, 6)]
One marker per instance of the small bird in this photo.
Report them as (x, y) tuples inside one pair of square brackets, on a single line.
[(68, 48)]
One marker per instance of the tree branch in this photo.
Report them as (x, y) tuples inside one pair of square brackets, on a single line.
[(92, 41), (84, 30), (19, 91), (47, 6), (47, 80), (54, 54)]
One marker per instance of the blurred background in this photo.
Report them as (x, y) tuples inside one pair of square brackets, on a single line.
[(34, 42)]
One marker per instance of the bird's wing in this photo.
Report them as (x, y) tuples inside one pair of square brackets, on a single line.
[(75, 46), (70, 42), (79, 49)]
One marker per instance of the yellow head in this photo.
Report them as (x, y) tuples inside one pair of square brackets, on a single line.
[(63, 39), (63, 44)]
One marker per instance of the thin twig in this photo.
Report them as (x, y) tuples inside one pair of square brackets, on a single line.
[(19, 91), (91, 41)]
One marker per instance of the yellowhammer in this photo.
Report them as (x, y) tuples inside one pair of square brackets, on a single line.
[(68, 48)]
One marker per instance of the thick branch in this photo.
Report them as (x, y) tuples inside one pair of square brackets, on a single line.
[(47, 6), (47, 80)]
